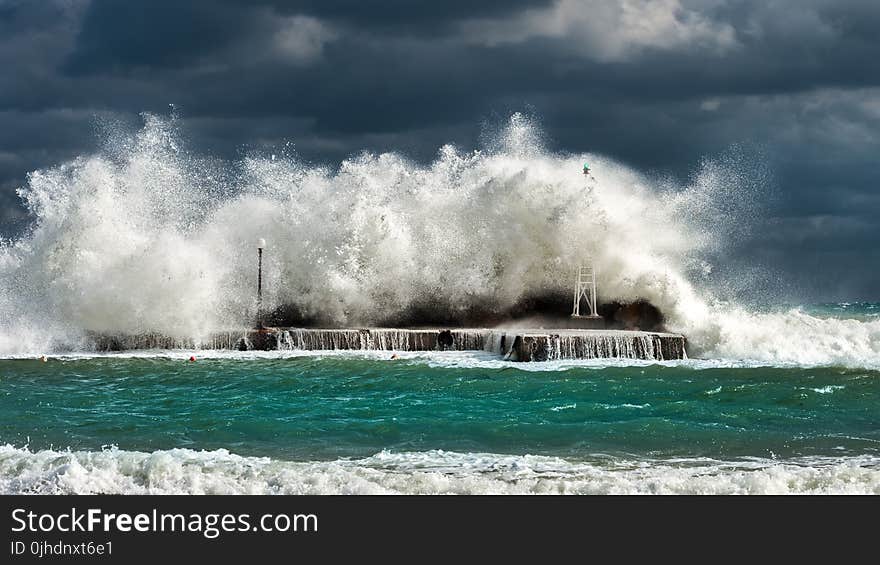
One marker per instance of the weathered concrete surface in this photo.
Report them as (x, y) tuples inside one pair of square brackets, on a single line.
[(515, 344)]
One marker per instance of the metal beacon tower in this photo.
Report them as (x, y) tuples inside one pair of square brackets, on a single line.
[(585, 288)]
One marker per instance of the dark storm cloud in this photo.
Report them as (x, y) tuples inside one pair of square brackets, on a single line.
[(656, 84), (121, 35), (404, 16), (116, 36)]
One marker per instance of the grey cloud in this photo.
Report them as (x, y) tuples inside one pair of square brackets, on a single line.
[(608, 31)]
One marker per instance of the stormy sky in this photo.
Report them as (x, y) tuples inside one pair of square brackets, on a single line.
[(657, 84)]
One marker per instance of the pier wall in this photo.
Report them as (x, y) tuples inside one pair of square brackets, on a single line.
[(599, 345), (512, 344)]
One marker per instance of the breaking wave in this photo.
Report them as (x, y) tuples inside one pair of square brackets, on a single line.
[(183, 471), (146, 236)]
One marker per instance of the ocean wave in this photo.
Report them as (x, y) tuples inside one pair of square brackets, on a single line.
[(785, 338), (183, 471), (143, 236)]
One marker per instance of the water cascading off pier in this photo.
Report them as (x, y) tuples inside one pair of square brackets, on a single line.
[(511, 344)]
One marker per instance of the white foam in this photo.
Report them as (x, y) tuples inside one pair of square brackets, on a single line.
[(435, 359), (182, 471), (144, 237), (827, 389), (786, 338)]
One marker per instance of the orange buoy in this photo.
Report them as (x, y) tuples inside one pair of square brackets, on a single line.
[(192, 357)]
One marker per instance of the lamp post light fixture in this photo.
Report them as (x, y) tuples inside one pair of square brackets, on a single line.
[(261, 243)]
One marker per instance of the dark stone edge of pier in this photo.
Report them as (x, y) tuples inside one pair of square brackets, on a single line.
[(515, 344)]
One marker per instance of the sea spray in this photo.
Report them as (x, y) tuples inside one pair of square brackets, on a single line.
[(144, 237)]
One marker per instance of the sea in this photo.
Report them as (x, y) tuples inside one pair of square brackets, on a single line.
[(154, 422), (146, 235)]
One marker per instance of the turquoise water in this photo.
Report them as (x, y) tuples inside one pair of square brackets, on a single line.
[(432, 423), (311, 407), (449, 422)]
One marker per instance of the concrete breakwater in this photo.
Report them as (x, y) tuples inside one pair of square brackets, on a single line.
[(512, 344), (597, 344)]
